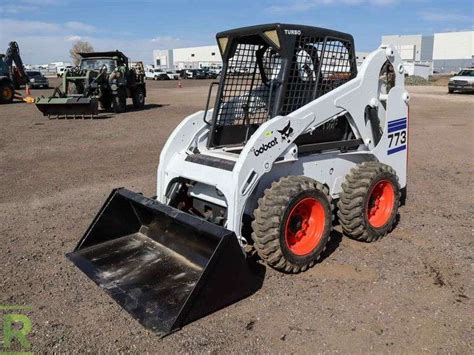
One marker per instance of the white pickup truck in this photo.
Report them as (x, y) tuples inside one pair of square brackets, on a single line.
[(160, 74), (462, 81)]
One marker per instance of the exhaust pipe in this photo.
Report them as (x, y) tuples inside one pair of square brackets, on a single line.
[(163, 266)]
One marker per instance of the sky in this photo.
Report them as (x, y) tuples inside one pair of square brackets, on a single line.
[(45, 30)]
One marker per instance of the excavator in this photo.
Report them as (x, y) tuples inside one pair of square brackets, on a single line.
[(12, 76)]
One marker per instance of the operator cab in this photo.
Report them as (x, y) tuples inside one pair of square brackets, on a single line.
[(98, 64), (102, 60), (272, 70)]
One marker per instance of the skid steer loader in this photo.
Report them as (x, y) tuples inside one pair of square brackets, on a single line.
[(297, 136)]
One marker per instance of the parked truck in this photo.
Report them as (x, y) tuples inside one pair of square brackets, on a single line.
[(104, 78)]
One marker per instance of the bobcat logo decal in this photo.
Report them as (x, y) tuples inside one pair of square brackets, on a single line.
[(265, 146), (286, 132)]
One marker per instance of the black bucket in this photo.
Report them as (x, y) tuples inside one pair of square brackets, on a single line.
[(68, 106), (163, 266)]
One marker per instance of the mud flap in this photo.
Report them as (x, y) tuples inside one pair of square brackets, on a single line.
[(165, 267), (68, 106)]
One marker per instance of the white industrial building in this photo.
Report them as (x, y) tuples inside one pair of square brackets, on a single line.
[(422, 54), (201, 57), (188, 58), (445, 52), (412, 48), (453, 51)]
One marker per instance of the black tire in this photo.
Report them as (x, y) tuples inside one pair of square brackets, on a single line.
[(7, 93), (366, 184), (138, 98), (275, 216), (119, 103), (450, 91), (105, 103)]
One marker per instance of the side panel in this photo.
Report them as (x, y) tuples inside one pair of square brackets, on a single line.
[(180, 139), (392, 110), (329, 169), (393, 147)]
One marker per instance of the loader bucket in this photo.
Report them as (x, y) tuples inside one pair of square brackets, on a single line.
[(67, 106), (163, 266)]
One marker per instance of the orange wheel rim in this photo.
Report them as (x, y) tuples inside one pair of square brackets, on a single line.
[(304, 226), (381, 202)]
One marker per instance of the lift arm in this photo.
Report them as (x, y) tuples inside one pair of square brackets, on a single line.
[(13, 56)]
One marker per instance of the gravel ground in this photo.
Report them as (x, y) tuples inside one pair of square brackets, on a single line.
[(411, 292)]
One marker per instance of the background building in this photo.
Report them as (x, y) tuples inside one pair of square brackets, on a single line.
[(447, 52), (188, 58), (201, 57), (423, 55), (453, 50), (163, 58), (412, 48)]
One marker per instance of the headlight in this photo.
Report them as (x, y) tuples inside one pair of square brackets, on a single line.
[(114, 87), (32, 80)]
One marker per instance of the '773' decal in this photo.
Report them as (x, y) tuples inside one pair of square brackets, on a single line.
[(397, 136)]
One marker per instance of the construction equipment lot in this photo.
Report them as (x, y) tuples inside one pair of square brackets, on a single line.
[(410, 292)]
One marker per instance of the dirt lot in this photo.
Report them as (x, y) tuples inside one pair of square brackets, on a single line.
[(411, 292)]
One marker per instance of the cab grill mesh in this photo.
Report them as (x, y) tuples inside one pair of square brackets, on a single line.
[(319, 65), (259, 84), (245, 98)]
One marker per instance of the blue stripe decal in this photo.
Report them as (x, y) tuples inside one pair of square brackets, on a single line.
[(396, 124), (397, 128), (396, 149), (397, 121)]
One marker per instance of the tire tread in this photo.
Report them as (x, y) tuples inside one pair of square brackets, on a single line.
[(268, 217), (351, 203)]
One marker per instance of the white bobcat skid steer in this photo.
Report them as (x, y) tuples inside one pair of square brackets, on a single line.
[(296, 133)]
